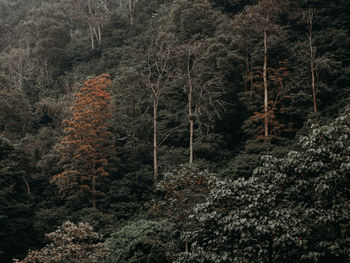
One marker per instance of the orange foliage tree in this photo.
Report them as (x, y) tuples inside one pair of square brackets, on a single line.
[(277, 103), (87, 143)]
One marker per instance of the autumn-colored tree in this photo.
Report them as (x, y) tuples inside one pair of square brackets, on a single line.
[(260, 20), (87, 143), (278, 99)]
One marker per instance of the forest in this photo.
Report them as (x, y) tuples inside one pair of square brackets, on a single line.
[(155, 131)]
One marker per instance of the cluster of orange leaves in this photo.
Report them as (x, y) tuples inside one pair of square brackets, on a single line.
[(87, 139), (277, 99)]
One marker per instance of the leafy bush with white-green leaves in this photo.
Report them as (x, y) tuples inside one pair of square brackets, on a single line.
[(295, 208), (73, 243)]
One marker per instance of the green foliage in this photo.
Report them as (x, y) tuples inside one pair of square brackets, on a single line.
[(46, 50), (16, 117), (15, 213), (183, 188), (142, 241), (293, 208)]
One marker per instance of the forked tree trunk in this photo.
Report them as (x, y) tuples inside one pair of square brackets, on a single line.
[(266, 91)]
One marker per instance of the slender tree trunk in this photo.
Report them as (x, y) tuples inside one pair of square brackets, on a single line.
[(99, 34), (92, 29), (92, 38), (155, 139), (190, 110), (27, 186), (186, 245), (312, 60), (266, 92), (191, 125), (95, 32), (191, 141), (131, 11)]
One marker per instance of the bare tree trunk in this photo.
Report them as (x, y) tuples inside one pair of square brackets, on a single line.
[(27, 186), (92, 38), (155, 139), (266, 92), (92, 29), (131, 11), (95, 32), (99, 34), (190, 112), (312, 58), (186, 245)]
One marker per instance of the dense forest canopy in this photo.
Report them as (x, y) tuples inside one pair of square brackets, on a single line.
[(174, 131)]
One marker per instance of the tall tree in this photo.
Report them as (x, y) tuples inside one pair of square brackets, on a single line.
[(87, 143), (277, 104), (203, 86), (309, 17), (259, 20), (194, 25), (158, 55)]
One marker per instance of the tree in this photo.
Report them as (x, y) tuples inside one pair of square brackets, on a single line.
[(87, 144), (309, 17), (197, 67), (203, 87), (158, 55), (259, 20), (183, 189), (277, 104), (69, 243)]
